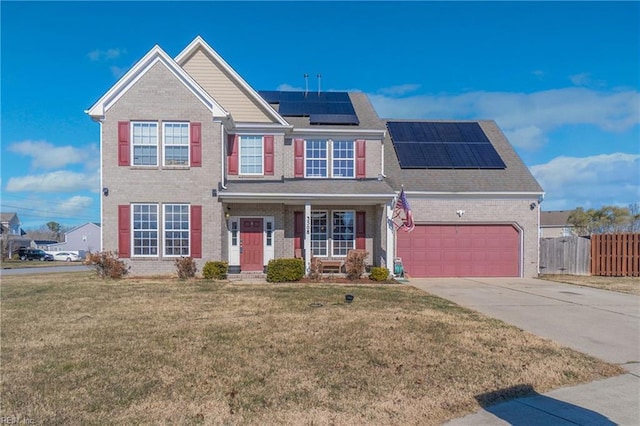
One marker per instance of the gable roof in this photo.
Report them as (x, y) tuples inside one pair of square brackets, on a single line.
[(8, 217), (154, 56), (556, 218), (199, 43), (514, 179)]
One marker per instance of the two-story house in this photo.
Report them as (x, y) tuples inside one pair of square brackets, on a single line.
[(195, 162)]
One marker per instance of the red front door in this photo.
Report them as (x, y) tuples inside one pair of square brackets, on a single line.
[(251, 255)]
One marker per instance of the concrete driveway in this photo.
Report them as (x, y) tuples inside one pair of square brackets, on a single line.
[(597, 322)]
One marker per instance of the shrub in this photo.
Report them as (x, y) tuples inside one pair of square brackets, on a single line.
[(354, 265), (315, 269), (186, 267), (285, 270), (379, 273), (107, 264), (215, 270)]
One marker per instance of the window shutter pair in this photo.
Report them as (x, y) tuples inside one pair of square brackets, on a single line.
[(124, 231), (232, 154), (298, 148), (124, 150)]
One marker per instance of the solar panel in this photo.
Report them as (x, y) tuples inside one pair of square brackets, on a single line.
[(424, 144), (333, 119), (271, 96)]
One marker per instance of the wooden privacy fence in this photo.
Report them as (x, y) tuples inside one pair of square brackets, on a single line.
[(615, 255), (565, 255)]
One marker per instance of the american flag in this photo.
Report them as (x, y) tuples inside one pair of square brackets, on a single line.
[(403, 212)]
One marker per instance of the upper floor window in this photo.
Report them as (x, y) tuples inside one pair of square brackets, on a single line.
[(329, 158), (145, 143), (176, 144), (251, 155), (343, 159), (316, 158)]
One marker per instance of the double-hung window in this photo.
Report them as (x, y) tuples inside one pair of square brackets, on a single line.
[(316, 158), (343, 156), (251, 156), (145, 229), (332, 233), (176, 230), (145, 143), (176, 144)]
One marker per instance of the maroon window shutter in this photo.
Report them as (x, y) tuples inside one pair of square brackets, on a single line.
[(124, 231), (196, 145), (298, 149), (268, 155), (196, 232), (232, 155), (361, 230), (360, 159), (124, 154), (298, 230)]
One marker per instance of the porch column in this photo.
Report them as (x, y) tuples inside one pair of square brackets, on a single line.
[(307, 236), (391, 241)]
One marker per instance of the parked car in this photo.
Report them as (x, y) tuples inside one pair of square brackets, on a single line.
[(66, 256), (33, 254)]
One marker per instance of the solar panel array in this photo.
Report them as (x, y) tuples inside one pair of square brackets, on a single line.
[(321, 108), (443, 145)]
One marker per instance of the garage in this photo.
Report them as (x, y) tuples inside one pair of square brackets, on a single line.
[(460, 251)]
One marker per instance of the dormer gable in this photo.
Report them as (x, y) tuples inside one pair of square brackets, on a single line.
[(155, 56), (224, 84)]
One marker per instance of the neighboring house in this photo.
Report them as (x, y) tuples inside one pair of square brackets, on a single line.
[(195, 162), (82, 239), (10, 223), (555, 224), (45, 244)]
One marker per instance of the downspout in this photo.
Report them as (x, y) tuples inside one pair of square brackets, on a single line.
[(222, 156)]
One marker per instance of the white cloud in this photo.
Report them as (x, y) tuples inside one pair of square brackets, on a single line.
[(399, 90), (108, 54), (74, 205), (45, 155), (117, 72), (607, 179), (528, 117), (284, 87), (58, 181)]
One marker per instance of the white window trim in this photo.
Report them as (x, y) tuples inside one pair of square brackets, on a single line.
[(328, 232), (133, 144), (240, 172), (164, 144), (353, 212), (164, 233), (353, 158), (133, 230), (327, 158)]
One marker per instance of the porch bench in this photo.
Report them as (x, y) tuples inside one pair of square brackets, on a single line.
[(332, 264)]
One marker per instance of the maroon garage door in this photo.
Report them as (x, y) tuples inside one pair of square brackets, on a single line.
[(460, 251)]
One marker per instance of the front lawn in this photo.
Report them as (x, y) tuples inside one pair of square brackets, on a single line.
[(78, 350), (629, 285)]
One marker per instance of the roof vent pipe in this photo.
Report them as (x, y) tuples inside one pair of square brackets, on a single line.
[(306, 84), (319, 79)]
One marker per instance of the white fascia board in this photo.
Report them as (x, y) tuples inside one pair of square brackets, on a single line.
[(280, 197), (271, 128), (365, 133), (199, 42), (475, 195), (155, 55)]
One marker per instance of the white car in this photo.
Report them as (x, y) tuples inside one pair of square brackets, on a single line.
[(66, 256)]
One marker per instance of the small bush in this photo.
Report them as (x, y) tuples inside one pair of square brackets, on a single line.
[(315, 269), (215, 270), (186, 267), (285, 270), (354, 264), (379, 273), (107, 264)]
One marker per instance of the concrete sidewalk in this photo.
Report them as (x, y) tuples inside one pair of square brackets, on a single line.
[(596, 322)]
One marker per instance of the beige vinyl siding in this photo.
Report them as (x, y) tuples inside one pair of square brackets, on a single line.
[(227, 93)]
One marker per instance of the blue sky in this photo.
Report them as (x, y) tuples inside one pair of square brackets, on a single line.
[(560, 79)]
